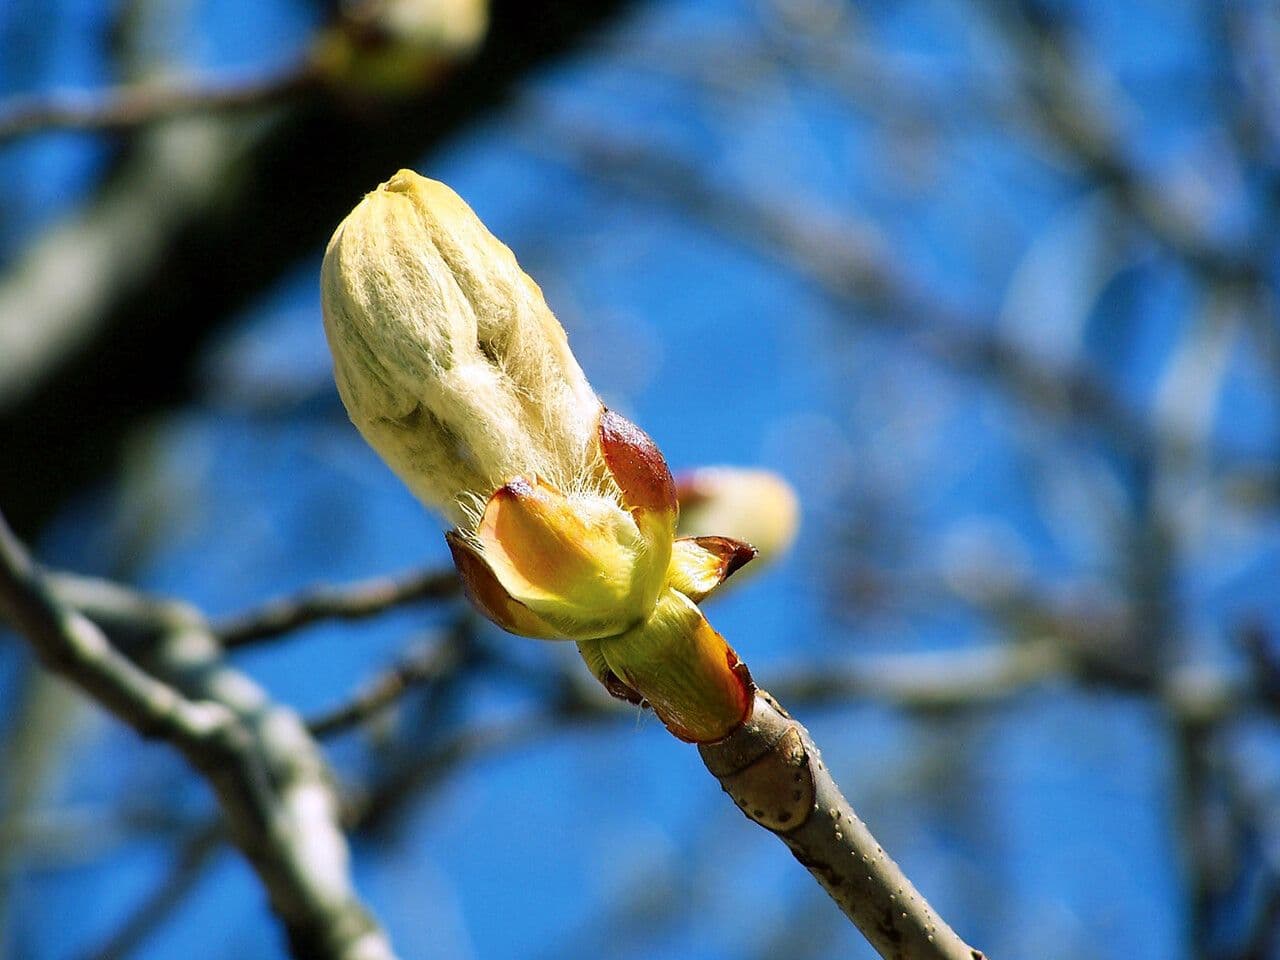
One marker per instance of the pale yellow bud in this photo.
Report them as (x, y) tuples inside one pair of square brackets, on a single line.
[(445, 353), (392, 47), (452, 27)]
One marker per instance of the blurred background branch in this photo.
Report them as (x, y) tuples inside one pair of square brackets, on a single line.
[(270, 780), (177, 239)]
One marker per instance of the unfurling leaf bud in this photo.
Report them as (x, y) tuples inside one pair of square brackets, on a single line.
[(447, 357), (456, 372)]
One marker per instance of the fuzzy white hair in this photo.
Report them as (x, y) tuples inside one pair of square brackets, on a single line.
[(447, 357)]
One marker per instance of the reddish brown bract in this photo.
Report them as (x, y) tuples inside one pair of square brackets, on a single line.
[(637, 464), (733, 554)]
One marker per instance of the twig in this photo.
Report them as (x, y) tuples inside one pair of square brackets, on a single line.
[(1072, 109), (934, 681), (849, 263), (270, 781), (867, 80), (1256, 642), (821, 830), (774, 773), (373, 808), (1057, 645), (421, 666), (353, 601), (122, 108), (64, 835), (70, 644), (40, 710)]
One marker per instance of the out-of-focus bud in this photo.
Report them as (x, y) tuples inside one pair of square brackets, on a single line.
[(456, 372), (447, 357), (391, 47), (754, 506)]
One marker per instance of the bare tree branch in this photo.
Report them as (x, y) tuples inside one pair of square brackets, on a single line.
[(849, 262), (1072, 101), (198, 215), (774, 773), (122, 108), (818, 836), (427, 663), (269, 778), (1073, 95), (352, 601)]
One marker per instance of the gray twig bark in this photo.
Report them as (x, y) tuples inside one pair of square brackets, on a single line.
[(278, 800), (774, 773)]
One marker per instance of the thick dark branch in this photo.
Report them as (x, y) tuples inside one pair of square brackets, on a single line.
[(197, 218)]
